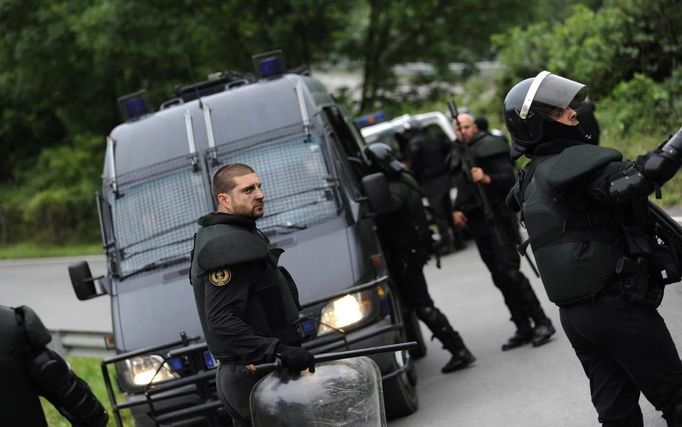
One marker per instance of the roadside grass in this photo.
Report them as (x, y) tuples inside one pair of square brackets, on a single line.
[(37, 250), (88, 368)]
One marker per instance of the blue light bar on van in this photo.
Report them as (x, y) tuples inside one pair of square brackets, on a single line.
[(371, 119), (269, 64), (134, 105)]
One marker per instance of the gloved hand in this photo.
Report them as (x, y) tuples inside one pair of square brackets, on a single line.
[(295, 359)]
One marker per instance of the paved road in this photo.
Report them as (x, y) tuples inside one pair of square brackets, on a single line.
[(44, 285), (526, 387)]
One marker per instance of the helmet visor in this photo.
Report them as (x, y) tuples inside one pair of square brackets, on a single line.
[(549, 91)]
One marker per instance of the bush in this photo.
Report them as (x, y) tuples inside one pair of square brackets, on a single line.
[(55, 201)]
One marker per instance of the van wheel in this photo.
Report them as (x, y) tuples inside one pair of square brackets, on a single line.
[(413, 332), (400, 393)]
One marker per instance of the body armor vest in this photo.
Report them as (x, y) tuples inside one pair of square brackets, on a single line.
[(576, 244), (273, 306), (406, 231)]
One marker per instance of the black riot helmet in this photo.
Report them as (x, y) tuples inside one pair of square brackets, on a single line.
[(382, 158), (529, 104)]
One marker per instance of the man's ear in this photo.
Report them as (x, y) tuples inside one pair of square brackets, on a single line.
[(224, 201)]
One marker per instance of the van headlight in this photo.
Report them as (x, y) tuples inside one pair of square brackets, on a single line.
[(141, 371), (345, 311)]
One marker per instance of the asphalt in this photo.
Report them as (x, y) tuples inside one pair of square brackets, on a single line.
[(524, 387)]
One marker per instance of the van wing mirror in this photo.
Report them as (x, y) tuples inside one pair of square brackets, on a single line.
[(378, 195), (82, 281)]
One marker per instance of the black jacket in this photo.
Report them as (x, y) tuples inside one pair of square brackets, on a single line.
[(491, 154), (246, 303)]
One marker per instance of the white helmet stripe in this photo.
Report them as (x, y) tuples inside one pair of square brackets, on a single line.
[(532, 90)]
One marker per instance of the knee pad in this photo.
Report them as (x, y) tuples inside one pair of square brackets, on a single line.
[(54, 380), (427, 313)]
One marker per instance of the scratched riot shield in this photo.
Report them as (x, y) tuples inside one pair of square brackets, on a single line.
[(344, 392)]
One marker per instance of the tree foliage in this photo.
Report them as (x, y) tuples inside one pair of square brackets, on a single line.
[(601, 48), (63, 65)]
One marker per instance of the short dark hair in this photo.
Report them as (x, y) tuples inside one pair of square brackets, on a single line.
[(481, 123), (223, 179)]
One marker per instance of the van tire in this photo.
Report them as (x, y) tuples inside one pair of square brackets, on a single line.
[(413, 332), (400, 393)]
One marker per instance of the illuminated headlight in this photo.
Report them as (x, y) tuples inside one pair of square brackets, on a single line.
[(143, 370), (345, 311)]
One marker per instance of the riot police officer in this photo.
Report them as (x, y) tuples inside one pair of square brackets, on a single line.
[(406, 239), (483, 176), (29, 369), (248, 305), (426, 156), (585, 210)]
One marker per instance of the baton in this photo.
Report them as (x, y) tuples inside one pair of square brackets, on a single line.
[(326, 357)]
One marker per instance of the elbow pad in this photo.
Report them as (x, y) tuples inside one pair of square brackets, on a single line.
[(629, 185), (73, 398), (662, 164)]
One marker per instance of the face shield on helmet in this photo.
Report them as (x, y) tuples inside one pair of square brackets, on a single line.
[(534, 100), (549, 92)]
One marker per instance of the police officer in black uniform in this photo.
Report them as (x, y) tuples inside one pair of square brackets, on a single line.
[(406, 240), (585, 210), (496, 232), (426, 156), (28, 370), (247, 304)]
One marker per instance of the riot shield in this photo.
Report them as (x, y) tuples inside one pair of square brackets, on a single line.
[(344, 392)]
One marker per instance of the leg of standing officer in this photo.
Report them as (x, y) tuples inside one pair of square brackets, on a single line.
[(234, 384), (508, 261), (499, 255), (414, 290), (624, 348)]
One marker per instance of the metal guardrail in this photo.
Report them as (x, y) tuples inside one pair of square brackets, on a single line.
[(80, 343)]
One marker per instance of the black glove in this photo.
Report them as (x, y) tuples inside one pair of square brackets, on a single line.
[(295, 359)]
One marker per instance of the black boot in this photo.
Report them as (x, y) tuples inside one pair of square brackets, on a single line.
[(522, 336), (542, 333), (459, 360), (461, 356), (441, 329)]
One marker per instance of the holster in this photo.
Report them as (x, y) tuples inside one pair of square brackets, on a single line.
[(633, 274)]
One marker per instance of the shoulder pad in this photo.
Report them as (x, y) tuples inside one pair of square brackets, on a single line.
[(36, 333), (490, 146), (219, 246), (577, 162)]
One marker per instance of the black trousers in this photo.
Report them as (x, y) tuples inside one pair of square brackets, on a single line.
[(408, 274), (497, 248), (625, 348), (234, 384)]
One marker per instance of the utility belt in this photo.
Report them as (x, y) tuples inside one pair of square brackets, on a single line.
[(236, 366), (633, 282)]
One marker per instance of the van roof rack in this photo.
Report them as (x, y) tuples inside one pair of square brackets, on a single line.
[(217, 82)]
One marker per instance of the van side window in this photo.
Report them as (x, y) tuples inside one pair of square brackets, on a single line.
[(348, 141)]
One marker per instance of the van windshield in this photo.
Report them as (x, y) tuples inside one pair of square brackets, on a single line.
[(300, 191), (155, 218)]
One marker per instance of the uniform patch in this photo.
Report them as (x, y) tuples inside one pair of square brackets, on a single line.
[(220, 277)]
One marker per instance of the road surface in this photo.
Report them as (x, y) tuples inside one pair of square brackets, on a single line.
[(525, 387)]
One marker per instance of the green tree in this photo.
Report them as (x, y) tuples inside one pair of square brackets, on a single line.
[(602, 48)]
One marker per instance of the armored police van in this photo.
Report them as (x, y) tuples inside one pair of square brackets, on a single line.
[(157, 183)]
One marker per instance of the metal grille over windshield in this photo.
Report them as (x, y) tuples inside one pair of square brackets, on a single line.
[(155, 219), (299, 190)]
